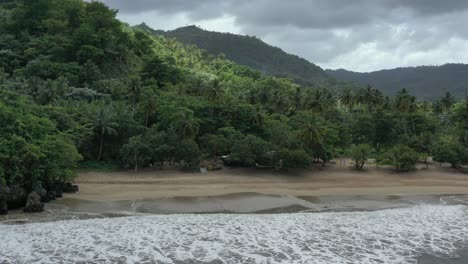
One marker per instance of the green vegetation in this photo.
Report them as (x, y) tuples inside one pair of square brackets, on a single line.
[(77, 84), (248, 51), (403, 158), (360, 154)]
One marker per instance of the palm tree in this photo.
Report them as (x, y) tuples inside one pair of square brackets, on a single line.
[(347, 99), (369, 96), (214, 93), (310, 134), (279, 101), (447, 101), (149, 103), (330, 99), (257, 117), (185, 124), (135, 89), (316, 101), (103, 124), (297, 98), (437, 107), (386, 103), (425, 107), (263, 96), (125, 119), (405, 104)]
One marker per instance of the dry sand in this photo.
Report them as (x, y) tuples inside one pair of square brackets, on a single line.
[(330, 181)]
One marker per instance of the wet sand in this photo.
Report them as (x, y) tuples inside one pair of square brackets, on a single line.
[(70, 208)]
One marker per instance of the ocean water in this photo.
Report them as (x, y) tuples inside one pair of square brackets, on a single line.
[(387, 236)]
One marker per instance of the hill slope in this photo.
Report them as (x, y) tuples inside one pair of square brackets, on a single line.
[(423, 81), (248, 51)]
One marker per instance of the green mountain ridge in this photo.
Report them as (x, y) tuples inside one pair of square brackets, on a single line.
[(426, 82), (249, 51)]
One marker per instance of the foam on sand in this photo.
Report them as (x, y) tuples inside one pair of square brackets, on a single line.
[(388, 236)]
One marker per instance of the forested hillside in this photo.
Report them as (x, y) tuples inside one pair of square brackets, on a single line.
[(426, 82), (77, 86), (248, 51)]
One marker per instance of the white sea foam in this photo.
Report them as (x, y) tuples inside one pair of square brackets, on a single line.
[(389, 236)]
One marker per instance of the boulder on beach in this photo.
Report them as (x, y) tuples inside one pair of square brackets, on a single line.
[(3, 207), (4, 193), (57, 187), (69, 187), (33, 204), (42, 192), (51, 195), (16, 197)]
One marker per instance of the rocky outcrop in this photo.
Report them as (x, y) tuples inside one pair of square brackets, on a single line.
[(4, 193), (54, 190), (51, 195), (42, 192), (17, 197), (57, 187), (68, 187), (3, 207), (34, 204)]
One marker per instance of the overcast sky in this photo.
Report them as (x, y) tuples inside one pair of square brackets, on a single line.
[(359, 35)]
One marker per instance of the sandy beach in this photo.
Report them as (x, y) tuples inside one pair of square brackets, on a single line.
[(332, 180)]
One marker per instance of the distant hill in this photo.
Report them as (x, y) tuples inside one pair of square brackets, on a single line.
[(248, 51), (423, 81)]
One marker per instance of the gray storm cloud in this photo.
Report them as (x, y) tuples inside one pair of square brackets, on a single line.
[(359, 35)]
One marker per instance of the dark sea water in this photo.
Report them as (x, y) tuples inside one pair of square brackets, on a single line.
[(416, 234), (461, 257)]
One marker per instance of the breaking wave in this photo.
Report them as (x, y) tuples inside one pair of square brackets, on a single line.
[(388, 236)]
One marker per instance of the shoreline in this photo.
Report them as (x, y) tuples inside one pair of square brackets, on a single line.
[(69, 208), (251, 191)]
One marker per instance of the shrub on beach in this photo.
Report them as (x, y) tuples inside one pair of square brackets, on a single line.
[(403, 158), (359, 154), (450, 151)]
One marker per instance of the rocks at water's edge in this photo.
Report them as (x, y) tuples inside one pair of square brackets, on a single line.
[(4, 192), (17, 196), (33, 204), (51, 195), (58, 188), (68, 187), (3, 208), (42, 192)]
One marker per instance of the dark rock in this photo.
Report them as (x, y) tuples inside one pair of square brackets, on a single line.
[(3, 207), (33, 204), (57, 187), (68, 187), (17, 197), (4, 192), (51, 195), (42, 192)]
